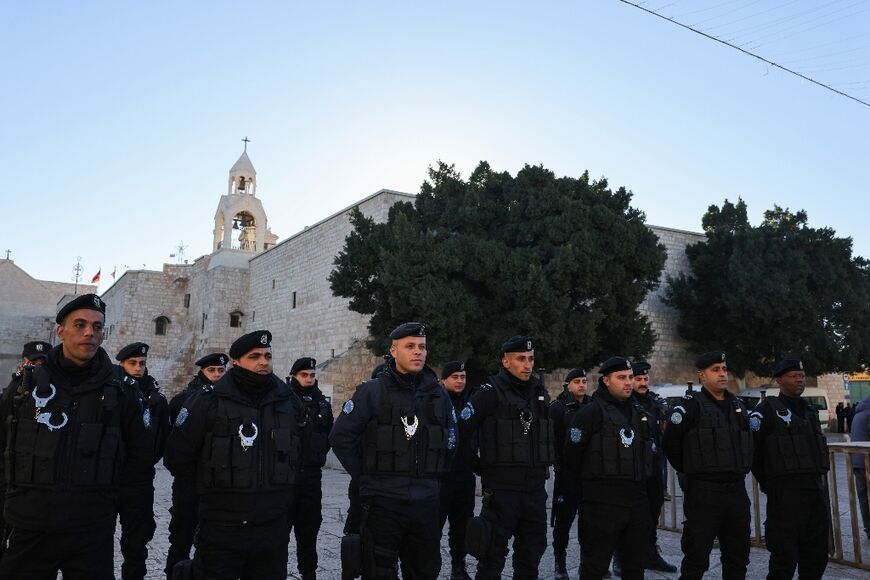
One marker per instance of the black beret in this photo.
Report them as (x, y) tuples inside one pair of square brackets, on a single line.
[(83, 302), (518, 344), (709, 358), (408, 329), (640, 367), (250, 341), (574, 374), (215, 359), (301, 364), (131, 350), (454, 366), (613, 364), (36, 349), (787, 365), (378, 370)]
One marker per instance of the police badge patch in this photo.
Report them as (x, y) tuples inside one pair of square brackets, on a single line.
[(676, 418), (467, 412), (576, 435), (146, 418), (755, 421), (348, 407), (182, 417)]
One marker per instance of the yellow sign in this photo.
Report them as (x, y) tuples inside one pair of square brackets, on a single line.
[(854, 377)]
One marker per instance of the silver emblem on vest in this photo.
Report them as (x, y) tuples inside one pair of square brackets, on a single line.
[(45, 419), (410, 428), (786, 417), (41, 402), (526, 420), (248, 440), (627, 438)]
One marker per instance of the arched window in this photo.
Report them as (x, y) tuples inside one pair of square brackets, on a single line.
[(236, 319), (161, 323)]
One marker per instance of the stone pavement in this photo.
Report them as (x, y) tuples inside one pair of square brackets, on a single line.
[(334, 508)]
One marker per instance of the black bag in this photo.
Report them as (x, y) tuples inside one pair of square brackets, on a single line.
[(351, 556)]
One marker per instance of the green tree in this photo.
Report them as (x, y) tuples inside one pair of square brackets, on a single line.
[(781, 288), (565, 260)]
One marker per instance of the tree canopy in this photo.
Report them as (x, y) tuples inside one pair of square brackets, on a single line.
[(779, 289), (565, 260)]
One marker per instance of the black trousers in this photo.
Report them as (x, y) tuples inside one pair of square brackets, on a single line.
[(394, 530), (713, 511), (136, 511), (523, 516), (457, 505), (566, 508), (655, 491), (609, 528), (305, 520), (184, 519), (796, 533), (83, 555), (251, 552)]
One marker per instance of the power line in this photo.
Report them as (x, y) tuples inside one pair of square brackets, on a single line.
[(746, 52)]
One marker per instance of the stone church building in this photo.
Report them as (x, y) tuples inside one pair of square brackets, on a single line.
[(251, 281)]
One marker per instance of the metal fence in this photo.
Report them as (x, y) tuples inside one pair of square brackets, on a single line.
[(847, 543)]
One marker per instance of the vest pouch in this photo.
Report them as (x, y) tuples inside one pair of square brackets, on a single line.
[(803, 452), (44, 460), (219, 462), (401, 451), (707, 440), (110, 457), (385, 448), (822, 451), (435, 454), (281, 465), (546, 451), (318, 446), (242, 460), (87, 447), (22, 458)]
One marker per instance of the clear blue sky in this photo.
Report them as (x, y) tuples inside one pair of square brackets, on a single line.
[(122, 119)]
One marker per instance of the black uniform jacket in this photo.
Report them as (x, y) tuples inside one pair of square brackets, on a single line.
[(347, 435), (155, 417), (316, 422), (63, 507), (185, 446), (177, 402), (465, 461)]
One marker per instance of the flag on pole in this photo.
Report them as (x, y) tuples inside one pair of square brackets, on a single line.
[(96, 278)]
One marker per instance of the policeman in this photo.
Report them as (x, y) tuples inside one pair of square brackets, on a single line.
[(396, 435), (240, 443), (315, 423), (136, 503), (609, 447), (184, 511), (457, 485), (70, 426), (790, 462), (708, 440), (509, 415), (655, 486), (566, 492)]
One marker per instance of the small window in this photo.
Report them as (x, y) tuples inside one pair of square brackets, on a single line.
[(273, 284), (294, 300), (236, 319), (187, 300), (204, 316), (160, 325), (254, 316)]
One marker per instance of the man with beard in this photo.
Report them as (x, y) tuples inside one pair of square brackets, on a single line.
[(609, 447), (566, 490), (457, 485), (791, 460), (655, 484), (240, 443), (396, 435), (315, 422), (184, 511), (708, 440), (136, 504), (508, 413), (73, 426)]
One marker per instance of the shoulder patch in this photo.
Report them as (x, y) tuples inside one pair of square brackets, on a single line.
[(467, 412), (576, 434), (348, 407), (755, 421), (182, 417), (676, 417)]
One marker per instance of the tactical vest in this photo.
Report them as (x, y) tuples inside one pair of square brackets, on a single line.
[(622, 449), (718, 443), (314, 423), (387, 448), (796, 443), (73, 441), (518, 433), (269, 462)]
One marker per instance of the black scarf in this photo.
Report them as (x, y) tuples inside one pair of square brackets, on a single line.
[(252, 384), (75, 374)]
